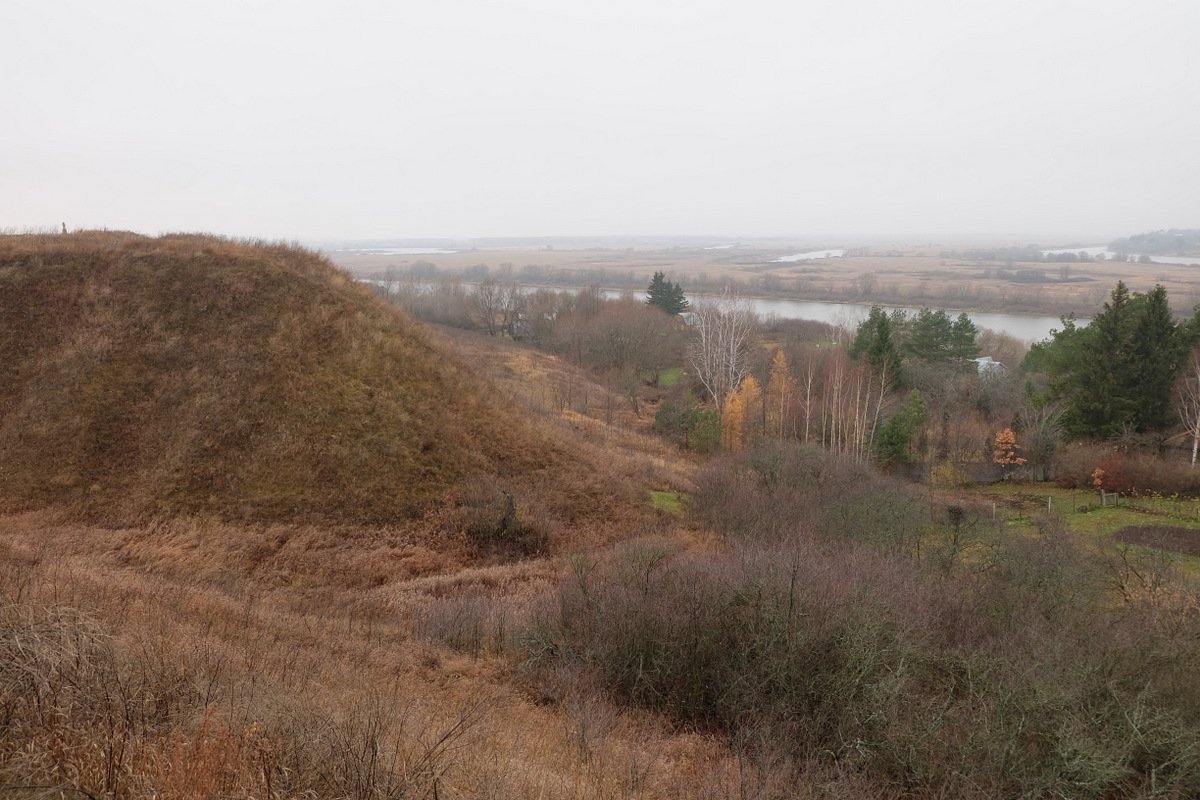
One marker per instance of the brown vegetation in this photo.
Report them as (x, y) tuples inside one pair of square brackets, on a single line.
[(510, 617), (1162, 537), (1125, 469), (959, 660), (195, 661), (144, 378), (264, 651)]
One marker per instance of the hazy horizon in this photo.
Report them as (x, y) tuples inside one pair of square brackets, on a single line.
[(833, 122), (764, 241)]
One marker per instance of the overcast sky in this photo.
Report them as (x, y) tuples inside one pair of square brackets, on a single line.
[(805, 118)]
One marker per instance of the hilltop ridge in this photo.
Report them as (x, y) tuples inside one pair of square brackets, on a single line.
[(148, 377)]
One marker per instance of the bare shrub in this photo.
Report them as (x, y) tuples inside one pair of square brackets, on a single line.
[(1125, 471), (722, 639), (377, 749), (496, 525), (780, 490), (79, 711), (1013, 677), (473, 623)]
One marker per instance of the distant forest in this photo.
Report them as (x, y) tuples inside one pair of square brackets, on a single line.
[(1160, 243)]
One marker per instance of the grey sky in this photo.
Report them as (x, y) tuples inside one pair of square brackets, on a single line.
[(1046, 118)]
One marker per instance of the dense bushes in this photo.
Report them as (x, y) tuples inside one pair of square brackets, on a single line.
[(1128, 472), (688, 424), (782, 491), (1013, 670)]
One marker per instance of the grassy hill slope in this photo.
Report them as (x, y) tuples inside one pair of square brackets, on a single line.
[(188, 375)]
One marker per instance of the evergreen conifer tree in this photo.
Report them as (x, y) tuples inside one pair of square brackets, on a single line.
[(895, 437), (658, 290), (963, 347), (875, 343), (666, 295), (1100, 375), (678, 302), (1157, 350), (1118, 372)]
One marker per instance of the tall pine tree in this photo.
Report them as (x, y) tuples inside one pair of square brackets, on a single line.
[(963, 347), (1117, 373), (1158, 348), (875, 343), (1101, 377), (666, 295)]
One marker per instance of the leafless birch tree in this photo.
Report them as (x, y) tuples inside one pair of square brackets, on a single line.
[(1189, 400), (720, 353)]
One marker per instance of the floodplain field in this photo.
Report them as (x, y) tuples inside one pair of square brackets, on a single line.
[(951, 276)]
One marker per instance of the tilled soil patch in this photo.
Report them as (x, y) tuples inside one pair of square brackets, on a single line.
[(1164, 537)]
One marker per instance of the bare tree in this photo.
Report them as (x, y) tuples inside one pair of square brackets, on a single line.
[(1188, 403), (722, 349), (488, 300), (1040, 426), (512, 307), (809, 375)]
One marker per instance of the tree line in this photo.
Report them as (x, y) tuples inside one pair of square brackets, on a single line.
[(1118, 374), (901, 387)]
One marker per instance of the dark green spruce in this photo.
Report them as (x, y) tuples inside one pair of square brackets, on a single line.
[(1116, 374), (666, 295)]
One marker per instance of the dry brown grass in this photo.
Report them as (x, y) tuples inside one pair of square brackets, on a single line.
[(266, 649), (162, 663), (269, 652), (144, 378), (612, 502)]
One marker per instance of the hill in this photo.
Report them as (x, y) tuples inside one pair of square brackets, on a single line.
[(186, 375), (1173, 242)]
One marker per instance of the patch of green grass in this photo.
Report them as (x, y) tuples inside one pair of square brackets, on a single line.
[(1020, 503), (669, 377), (670, 502)]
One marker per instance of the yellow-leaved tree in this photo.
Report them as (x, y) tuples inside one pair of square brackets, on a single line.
[(741, 420), (781, 389)]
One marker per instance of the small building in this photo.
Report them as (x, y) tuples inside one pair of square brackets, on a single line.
[(986, 365)]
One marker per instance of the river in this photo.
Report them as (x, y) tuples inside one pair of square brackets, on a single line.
[(1026, 327)]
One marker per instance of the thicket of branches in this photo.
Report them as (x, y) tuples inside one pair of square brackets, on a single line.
[(934, 653)]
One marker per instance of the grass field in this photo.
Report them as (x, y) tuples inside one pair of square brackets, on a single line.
[(670, 377), (1019, 505), (670, 502)]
